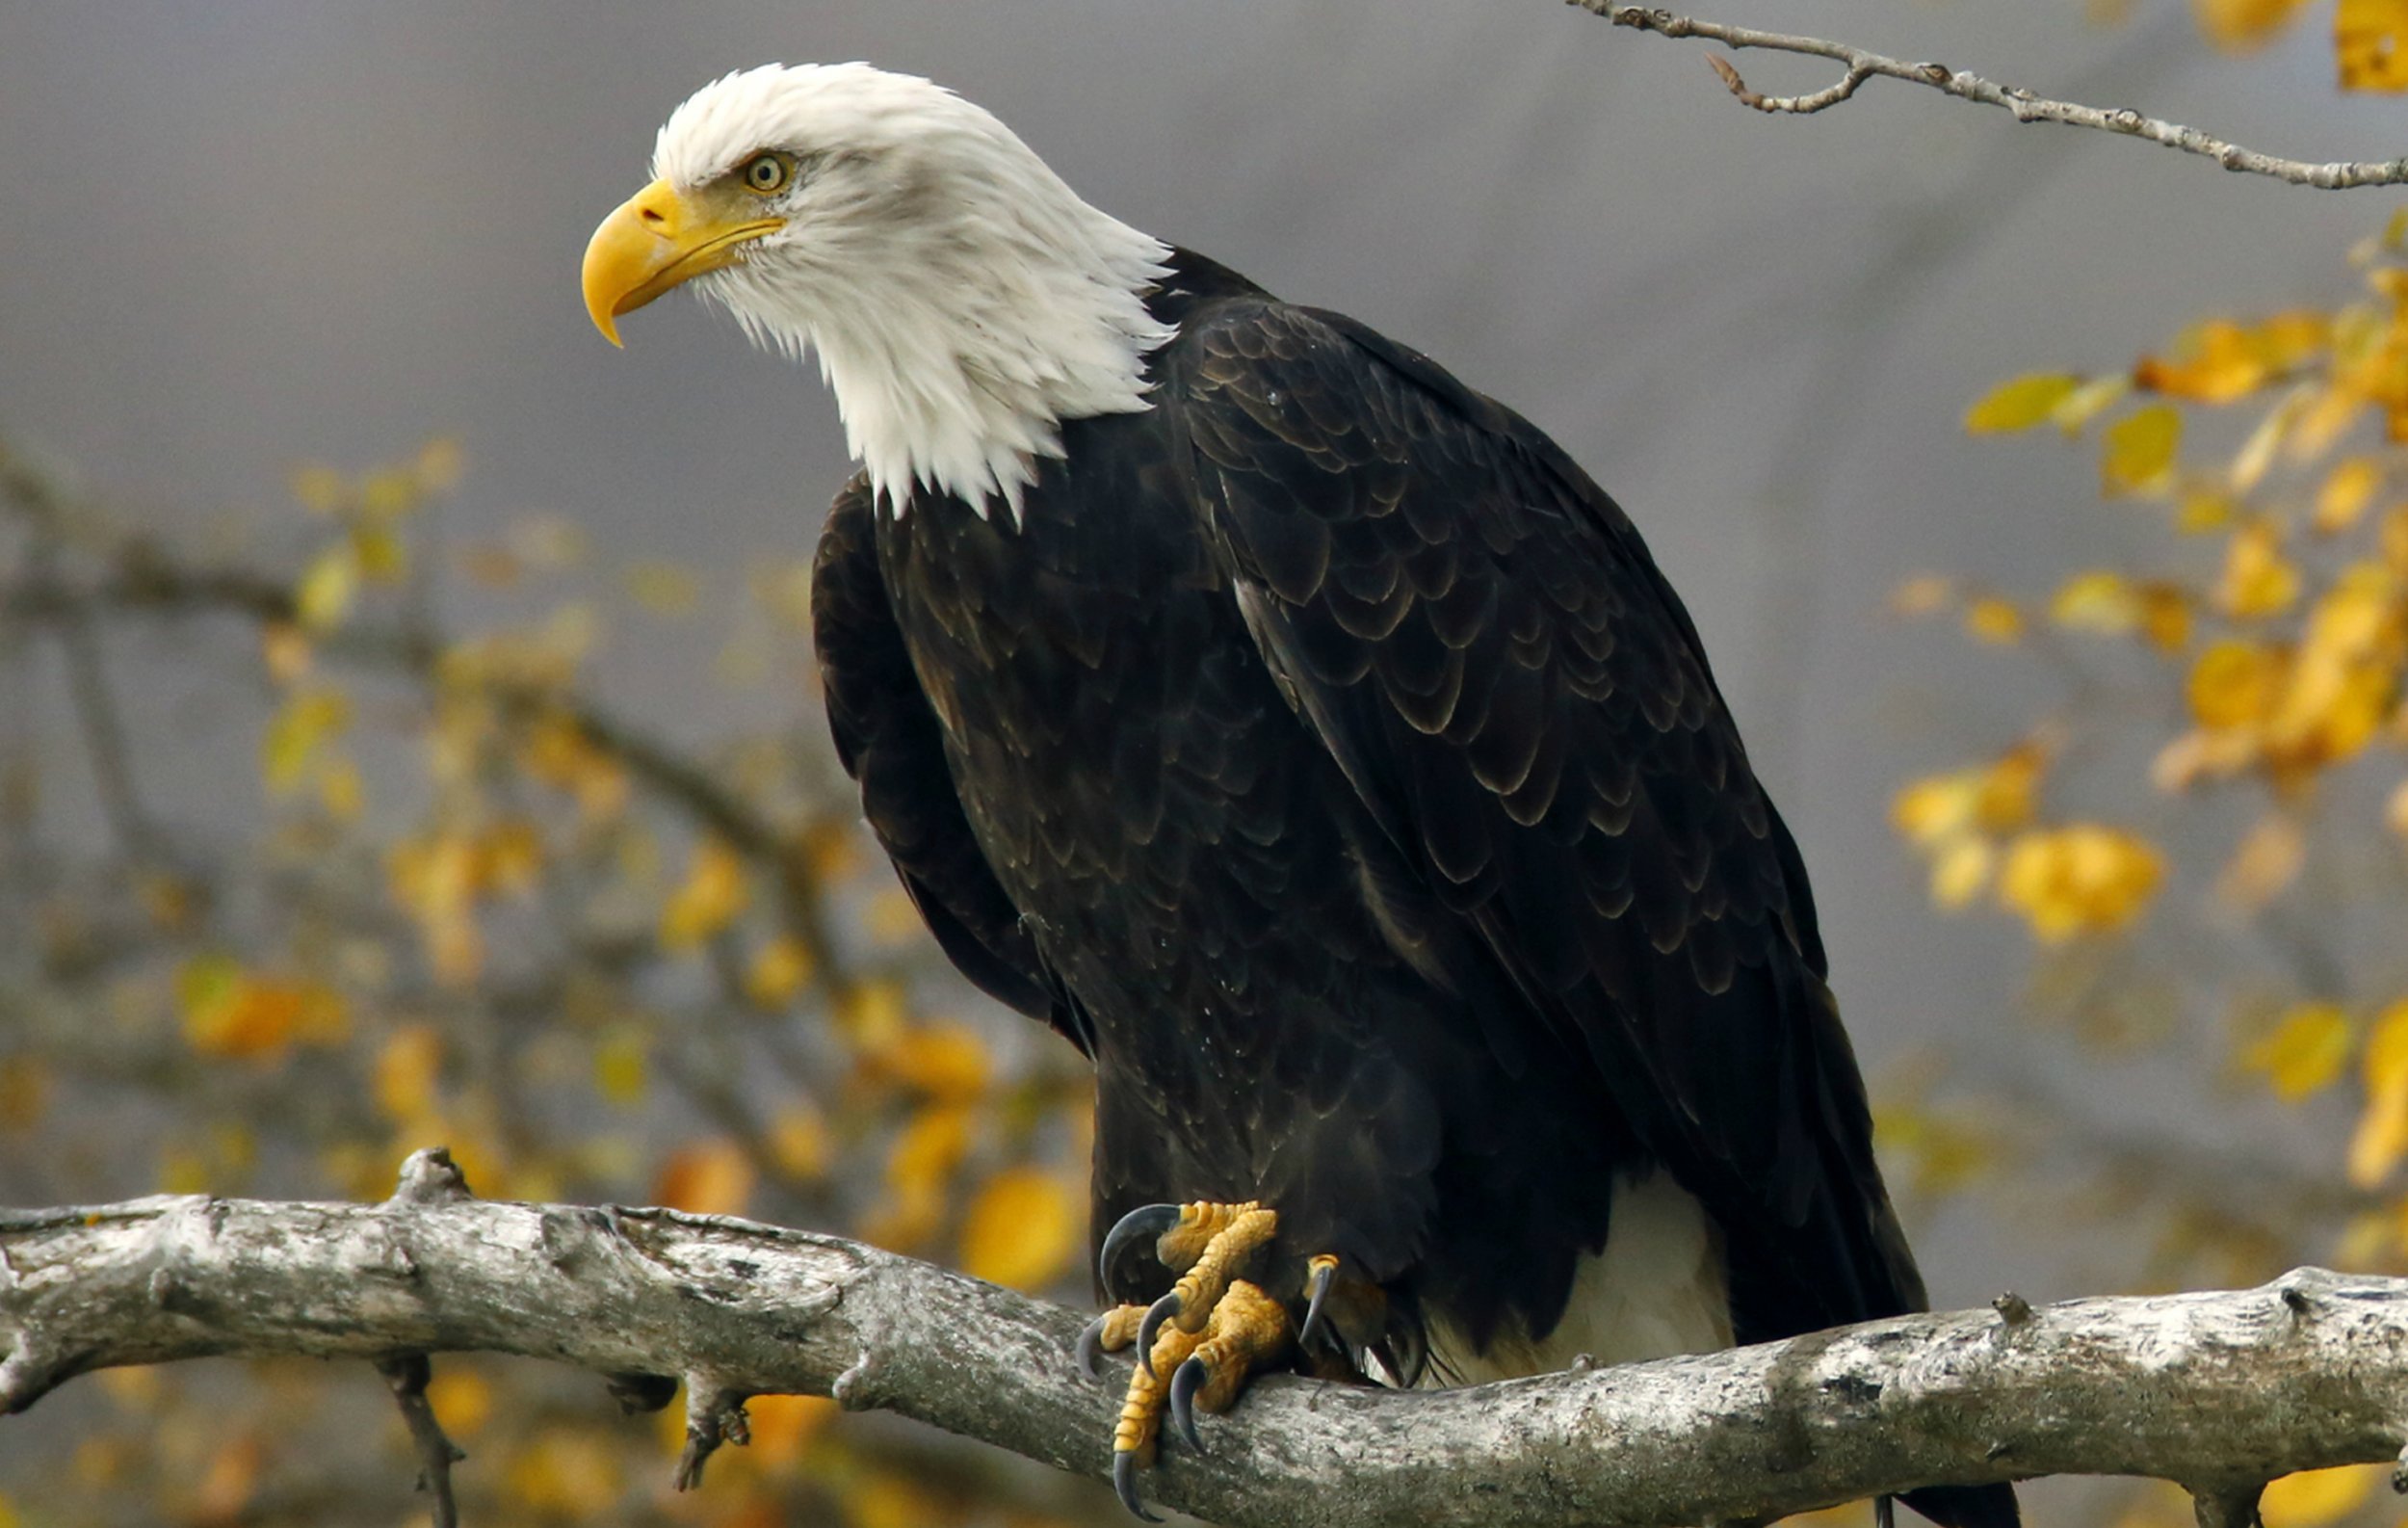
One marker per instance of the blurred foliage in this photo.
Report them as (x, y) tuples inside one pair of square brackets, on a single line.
[(2231, 694), (471, 904), (2369, 36)]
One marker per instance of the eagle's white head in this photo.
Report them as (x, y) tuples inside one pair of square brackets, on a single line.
[(963, 299)]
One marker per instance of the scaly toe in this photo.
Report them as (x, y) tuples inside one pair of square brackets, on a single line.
[(1109, 1332)]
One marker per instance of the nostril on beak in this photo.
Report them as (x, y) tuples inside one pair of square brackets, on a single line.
[(652, 218)]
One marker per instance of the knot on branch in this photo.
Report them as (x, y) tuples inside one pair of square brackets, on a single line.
[(431, 1176)]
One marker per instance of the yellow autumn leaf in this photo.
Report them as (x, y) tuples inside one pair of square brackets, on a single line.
[(2315, 1497), (2370, 44), (777, 973), (2019, 403), (2082, 878), (2087, 401), (871, 1014), (920, 1168), (2305, 1053), (706, 1177), (2137, 450), (226, 1485), (1960, 871), (622, 1067), (2215, 362), (462, 1399), (255, 1016), (1995, 621), (2204, 510), (2381, 1138), (783, 1425), (715, 891), (2257, 580), (2096, 600), (324, 595), (1936, 808), (2232, 684), (799, 1143), (943, 1061), (885, 1500), (566, 1473), (2347, 492), (1022, 1229), (299, 729), (2166, 615), (408, 1067), (381, 555), (2006, 792), (2239, 25)]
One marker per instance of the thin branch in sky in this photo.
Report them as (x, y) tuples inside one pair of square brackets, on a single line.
[(1861, 66)]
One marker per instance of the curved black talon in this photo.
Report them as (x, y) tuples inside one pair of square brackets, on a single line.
[(1185, 1380), (1154, 1218), (1091, 1347), (1159, 1311), (1324, 1273), (1125, 1483)]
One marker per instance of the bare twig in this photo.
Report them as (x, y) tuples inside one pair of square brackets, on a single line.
[(2216, 1390), (406, 1374), (1861, 66)]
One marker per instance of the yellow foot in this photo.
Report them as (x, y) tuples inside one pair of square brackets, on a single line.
[(1198, 1344), (1246, 1331)]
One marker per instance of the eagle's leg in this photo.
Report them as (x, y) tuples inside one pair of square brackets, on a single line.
[(1198, 1344), (1206, 1247), (1247, 1329)]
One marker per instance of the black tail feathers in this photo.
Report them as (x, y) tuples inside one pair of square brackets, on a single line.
[(1967, 1506)]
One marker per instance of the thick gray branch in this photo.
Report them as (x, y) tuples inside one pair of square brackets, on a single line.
[(1859, 65), (2218, 1391)]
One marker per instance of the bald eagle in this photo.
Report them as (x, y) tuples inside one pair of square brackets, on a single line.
[(1306, 738)]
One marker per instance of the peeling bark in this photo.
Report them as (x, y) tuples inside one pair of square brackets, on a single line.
[(2219, 1391)]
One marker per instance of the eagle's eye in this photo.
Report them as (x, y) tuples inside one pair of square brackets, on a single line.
[(767, 172)]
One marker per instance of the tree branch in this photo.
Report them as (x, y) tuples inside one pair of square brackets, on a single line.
[(1861, 66), (2218, 1392)]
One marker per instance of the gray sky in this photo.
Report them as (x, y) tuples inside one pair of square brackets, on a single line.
[(243, 232)]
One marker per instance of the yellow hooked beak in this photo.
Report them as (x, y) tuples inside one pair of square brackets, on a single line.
[(660, 238)]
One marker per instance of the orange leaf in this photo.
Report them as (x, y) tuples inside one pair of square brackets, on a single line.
[(1022, 1229), (707, 1177), (2239, 25), (1994, 620)]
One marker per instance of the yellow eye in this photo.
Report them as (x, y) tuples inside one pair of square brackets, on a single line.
[(766, 173)]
